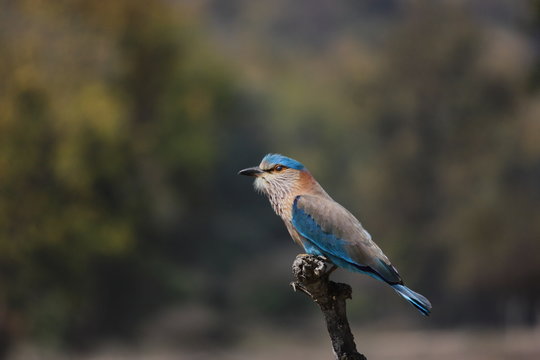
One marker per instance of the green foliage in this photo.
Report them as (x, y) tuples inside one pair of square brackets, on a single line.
[(103, 151)]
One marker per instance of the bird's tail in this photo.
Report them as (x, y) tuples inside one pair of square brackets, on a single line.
[(418, 301)]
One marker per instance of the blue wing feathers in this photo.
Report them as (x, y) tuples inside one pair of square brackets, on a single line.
[(327, 244), (308, 227), (344, 252), (388, 272)]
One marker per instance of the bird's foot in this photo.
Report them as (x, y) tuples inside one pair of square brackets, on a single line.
[(327, 262), (316, 265)]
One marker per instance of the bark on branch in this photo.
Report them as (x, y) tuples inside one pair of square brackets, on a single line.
[(311, 277)]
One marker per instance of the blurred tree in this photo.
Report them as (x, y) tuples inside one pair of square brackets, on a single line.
[(110, 117), (448, 119)]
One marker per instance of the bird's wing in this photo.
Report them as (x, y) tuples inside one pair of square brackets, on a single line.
[(338, 234)]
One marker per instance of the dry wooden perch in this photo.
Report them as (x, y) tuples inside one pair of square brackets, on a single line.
[(311, 276)]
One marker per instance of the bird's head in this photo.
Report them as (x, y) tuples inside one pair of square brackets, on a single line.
[(276, 175)]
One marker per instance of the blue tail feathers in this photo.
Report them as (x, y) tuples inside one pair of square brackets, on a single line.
[(418, 301)]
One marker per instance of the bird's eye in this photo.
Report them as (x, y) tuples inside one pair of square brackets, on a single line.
[(278, 168)]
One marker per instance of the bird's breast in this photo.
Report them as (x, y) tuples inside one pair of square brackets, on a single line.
[(295, 235)]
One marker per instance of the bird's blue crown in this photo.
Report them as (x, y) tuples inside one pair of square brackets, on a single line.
[(283, 160)]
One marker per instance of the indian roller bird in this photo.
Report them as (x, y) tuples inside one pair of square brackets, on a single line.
[(322, 226)]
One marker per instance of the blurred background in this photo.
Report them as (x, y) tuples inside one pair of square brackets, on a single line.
[(125, 232)]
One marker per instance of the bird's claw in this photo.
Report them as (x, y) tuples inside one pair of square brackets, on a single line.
[(317, 265), (320, 269)]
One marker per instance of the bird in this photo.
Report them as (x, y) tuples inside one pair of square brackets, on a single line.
[(322, 226)]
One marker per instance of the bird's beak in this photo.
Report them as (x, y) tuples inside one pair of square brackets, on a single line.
[(252, 171)]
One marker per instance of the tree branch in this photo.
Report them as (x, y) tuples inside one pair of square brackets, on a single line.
[(312, 278)]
